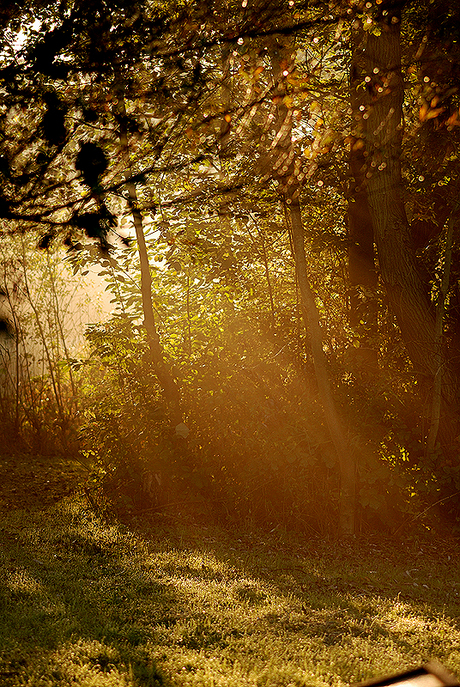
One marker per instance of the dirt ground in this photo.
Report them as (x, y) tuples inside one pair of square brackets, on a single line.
[(30, 482)]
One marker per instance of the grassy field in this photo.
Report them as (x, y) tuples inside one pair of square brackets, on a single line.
[(167, 601)]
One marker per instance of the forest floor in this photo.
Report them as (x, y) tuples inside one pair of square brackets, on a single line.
[(167, 601)]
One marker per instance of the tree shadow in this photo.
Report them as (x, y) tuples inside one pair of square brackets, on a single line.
[(78, 593), (73, 593)]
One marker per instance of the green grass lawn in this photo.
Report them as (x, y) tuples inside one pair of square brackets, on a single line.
[(169, 602)]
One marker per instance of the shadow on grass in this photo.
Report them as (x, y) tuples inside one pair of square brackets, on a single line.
[(372, 608), (90, 603), (76, 604)]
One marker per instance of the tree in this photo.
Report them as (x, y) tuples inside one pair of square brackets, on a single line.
[(284, 160), (361, 263), (409, 296), (207, 132)]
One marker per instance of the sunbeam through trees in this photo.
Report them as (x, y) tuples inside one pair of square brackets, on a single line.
[(268, 191)]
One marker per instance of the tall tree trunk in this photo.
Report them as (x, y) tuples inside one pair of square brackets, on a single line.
[(346, 461), (362, 271), (223, 145), (440, 312), (284, 164), (406, 292), (162, 370), (407, 297)]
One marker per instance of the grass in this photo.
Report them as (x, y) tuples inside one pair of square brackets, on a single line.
[(169, 602)]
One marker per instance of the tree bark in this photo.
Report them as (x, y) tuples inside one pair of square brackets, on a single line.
[(440, 312), (283, 163), (346, 461), (162, 370), (362, 272), (406, 294)]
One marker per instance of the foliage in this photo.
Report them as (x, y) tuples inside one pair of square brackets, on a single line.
[(258, 446), (170, 121), (43, 308)]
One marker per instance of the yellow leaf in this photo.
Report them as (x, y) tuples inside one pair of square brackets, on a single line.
[(423, 112), (453, 120), (431, 114)]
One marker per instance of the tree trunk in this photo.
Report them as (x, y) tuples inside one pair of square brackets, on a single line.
[(347, 466), (162, 370), (440, 312), (284, 163), (406, 294), (362, 271)]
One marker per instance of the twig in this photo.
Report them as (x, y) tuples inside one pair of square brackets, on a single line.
[(419, 515)]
